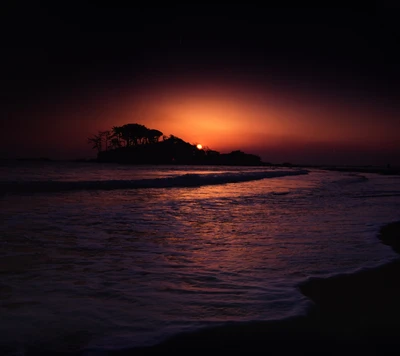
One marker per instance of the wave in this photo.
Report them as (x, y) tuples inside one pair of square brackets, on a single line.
[(182, 181), (351, 179), (344, 306), (378, 194)]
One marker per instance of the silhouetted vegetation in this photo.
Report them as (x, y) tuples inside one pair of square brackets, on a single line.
[(137, 144)]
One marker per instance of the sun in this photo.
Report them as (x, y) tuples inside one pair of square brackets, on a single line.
[(199, 146)]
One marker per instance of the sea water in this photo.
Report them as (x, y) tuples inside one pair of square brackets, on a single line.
[(99, 257)]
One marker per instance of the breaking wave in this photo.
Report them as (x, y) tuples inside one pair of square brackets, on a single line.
[(182, 181)]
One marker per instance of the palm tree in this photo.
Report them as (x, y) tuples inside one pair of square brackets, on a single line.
[(96, 140)]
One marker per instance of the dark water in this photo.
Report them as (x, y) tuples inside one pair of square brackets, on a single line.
[(118, 256)]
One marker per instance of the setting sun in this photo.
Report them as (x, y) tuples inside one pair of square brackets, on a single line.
[(199, 146)]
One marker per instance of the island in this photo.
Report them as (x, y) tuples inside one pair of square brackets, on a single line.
[(136, 144)]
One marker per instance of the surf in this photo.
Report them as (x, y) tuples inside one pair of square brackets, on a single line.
[(179, 181)]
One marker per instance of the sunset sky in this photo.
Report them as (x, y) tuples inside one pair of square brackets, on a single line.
[(304, 85)]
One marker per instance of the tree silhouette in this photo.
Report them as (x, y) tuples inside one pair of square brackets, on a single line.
[(153, 135), (131, 135), (103, 138), (106, 138), (96, 141), (120, 133), (115, 143), (137, 144)]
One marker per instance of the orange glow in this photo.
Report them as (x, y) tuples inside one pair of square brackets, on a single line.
[(279, 125), (229, 118)]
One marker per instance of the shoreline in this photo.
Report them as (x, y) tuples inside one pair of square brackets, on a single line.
[(357, 313)]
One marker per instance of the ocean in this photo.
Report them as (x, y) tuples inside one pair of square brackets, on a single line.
[(104, 257)]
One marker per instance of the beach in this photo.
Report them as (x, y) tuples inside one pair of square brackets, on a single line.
[(199, 178), (353, 314), (180, 259)]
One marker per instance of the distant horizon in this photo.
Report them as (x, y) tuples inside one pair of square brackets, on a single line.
[(289, 84), (320, 155), (93, 159)]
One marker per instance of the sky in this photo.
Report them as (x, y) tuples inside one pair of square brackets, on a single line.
[(304, 85)]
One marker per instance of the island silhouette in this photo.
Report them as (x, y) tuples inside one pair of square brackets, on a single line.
[(137, 144)]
